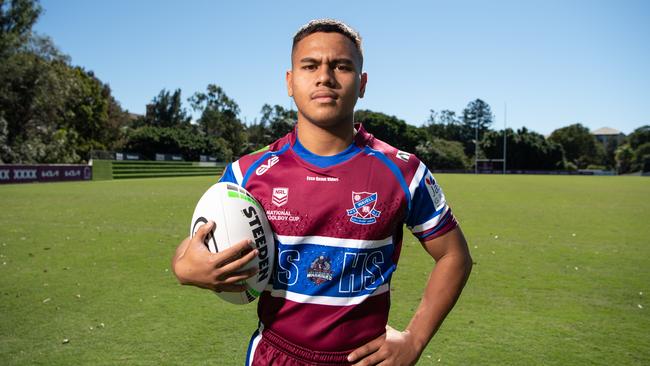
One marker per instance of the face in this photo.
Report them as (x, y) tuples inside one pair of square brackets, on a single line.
[(325, 79)]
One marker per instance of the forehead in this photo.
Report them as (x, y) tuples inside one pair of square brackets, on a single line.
[(321, 44)]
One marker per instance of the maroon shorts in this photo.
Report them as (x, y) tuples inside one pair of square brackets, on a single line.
[(267, 348)]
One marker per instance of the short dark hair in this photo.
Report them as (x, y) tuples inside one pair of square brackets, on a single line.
[(329, 26)]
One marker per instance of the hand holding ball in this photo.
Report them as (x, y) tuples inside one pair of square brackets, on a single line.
[(238, 216)]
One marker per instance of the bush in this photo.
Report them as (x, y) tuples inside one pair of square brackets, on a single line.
[(442, 154), (187, 141), (596, 167)]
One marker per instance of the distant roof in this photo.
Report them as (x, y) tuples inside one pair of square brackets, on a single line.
[(606, 131)]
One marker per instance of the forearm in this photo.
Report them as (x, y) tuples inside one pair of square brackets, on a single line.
[(443, 288)]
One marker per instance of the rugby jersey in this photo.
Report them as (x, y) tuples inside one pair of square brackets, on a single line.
[(338, 225)]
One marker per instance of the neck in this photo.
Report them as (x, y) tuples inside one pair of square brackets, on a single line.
[(325, 140)]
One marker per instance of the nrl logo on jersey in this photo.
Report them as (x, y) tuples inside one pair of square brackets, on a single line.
[(280, 196), (269, 163), (363, 212)]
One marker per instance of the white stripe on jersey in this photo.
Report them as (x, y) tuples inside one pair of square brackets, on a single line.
[(417, 178), (431, 223), (236, 170), (327, 300), (334, 242)]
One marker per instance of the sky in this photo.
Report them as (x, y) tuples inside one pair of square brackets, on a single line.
[(539, 64)]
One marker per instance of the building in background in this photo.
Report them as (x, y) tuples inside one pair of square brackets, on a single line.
[(606, 134)]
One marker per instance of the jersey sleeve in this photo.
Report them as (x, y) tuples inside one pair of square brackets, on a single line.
[(230, 174), (430, 216)]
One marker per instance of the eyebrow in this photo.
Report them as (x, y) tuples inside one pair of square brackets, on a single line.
[(343, 60)]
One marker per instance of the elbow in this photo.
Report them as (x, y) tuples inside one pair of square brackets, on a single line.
[(468, 263)]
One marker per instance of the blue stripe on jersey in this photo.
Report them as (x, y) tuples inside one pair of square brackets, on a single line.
[(395, 170), (228, 175), (443, 222), (424, 210), (319, 270), (259, 161), (325, 161), (250, 347)]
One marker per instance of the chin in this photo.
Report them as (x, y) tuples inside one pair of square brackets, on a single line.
[(328, 118)]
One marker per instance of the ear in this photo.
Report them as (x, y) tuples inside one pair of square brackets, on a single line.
[(289, 79), (362, 86)]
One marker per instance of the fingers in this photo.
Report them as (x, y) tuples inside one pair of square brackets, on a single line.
[(204, 232), (235, 263), (366, 349), (241, 246), (234, 253), (237, 276)]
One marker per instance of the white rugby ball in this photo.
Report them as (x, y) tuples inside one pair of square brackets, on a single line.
[(237, 216)]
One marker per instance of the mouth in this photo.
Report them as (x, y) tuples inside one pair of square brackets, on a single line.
[(324, 96)]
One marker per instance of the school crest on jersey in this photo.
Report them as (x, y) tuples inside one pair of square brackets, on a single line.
[(363, 212), (320, 270)]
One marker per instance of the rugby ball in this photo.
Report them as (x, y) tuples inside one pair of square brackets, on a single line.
[(237, 216)]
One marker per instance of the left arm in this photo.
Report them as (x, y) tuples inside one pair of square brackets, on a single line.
[(447, 279)]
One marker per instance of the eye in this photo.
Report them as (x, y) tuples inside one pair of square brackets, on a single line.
[(343, 67), (309, 67)]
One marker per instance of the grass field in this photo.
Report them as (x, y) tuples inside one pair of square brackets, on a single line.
[(562, 275)]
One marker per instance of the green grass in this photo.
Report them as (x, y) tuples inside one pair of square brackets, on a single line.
[(560, 265)]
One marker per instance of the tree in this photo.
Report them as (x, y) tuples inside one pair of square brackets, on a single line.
[(442, 154), (624, 158), (391, 129), (166, 110), (641, 156), (280, 121), (526, 150), (447, 126), (45, 101), (580, 146), (477, 119), (185, 140), (639, 136), (17, 17), (275, 122), (219, 117)]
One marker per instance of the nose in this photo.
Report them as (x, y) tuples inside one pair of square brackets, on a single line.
[(325, 77)]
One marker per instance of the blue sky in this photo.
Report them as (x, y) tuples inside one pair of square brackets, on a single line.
[(553, 62)]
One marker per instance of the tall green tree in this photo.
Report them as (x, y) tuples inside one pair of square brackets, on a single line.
[(478, 115), (166, 110), (17, 17), (220, 118), (525, 150), (53, 112), (580, 146)]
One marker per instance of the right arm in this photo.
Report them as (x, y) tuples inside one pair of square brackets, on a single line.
[(193, 264)]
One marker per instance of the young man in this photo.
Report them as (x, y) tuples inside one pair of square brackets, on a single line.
[(337, 199)]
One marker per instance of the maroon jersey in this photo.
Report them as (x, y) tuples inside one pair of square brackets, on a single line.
[(338, 224)]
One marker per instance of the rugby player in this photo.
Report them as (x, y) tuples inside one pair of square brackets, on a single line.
[(337, 199)]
